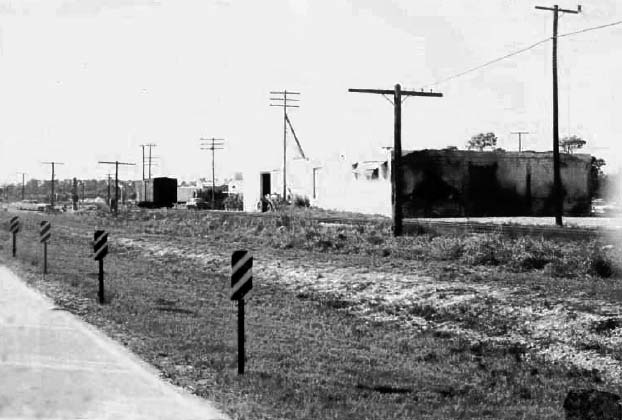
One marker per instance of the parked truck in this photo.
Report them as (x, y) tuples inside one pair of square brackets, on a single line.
[(157, 192)]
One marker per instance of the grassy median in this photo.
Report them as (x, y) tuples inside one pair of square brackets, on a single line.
[(309, 355)]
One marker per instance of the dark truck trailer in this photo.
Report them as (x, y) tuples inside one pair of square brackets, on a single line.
[(157, 192)]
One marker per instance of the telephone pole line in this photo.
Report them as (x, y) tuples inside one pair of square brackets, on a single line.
[(214, 144), (52, 192), (149, 145), (557, 181), (23, 174), (282, 100), (108, 189), (116, 164), (396, 171), (520, 138)]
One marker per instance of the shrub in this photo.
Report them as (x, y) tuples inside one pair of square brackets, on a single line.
[(300, 201), (446, 248), (484, 250), (600, 264), (233, 202)]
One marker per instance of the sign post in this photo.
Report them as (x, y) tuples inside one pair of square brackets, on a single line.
[(44, 236), (14, 228), (100, 250), (241, 283)]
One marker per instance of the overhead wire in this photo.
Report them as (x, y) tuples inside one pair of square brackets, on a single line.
[(488, 63), (511, 54)]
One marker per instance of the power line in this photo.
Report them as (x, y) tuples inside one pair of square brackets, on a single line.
[(593, 28), (488, 63), (522, 50)]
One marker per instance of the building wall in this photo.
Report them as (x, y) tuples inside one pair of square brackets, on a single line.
[(468, 183), (331, 185), (438, 183)]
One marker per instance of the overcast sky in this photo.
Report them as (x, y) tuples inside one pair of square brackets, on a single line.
[(89, 80)]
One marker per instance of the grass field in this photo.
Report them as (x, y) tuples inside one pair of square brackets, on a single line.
[(345, 322)]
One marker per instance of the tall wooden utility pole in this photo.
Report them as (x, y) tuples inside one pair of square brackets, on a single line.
[(23, 174), (52, 192), (557, 180), (108, 190), (149, 145), (213, 145), (520, 138), (396, 171), (283, 102), (116, 164)]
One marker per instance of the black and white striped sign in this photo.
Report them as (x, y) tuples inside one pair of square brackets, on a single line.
[(241, 274), (45, 228), (100, 244), (14, 224)]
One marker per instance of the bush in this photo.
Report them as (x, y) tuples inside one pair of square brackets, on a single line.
[(300, 201), (484, 250), (234, 202), (600, 263)]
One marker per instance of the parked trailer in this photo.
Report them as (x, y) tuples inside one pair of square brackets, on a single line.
[(157, 192)]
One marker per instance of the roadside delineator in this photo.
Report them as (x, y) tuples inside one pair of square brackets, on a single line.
[(14, 228), (241, 284), (100, 250), (45, 228)]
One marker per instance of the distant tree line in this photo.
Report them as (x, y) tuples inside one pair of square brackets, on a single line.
[(35, 189)]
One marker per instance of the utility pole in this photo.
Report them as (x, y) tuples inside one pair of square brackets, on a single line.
[(116, 164), (283, 101), (52, 194), (109, 189), (396, 171), (23, 174), (520, 138), (215, 144), (149, 145), (557, 181)]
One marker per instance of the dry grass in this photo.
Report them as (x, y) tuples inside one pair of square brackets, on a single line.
[(310, 355)]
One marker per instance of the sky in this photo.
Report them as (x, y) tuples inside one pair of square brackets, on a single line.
[(90, 80)]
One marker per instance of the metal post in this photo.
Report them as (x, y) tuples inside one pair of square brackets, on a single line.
[(14, 244), (241, 356), (23, 185), (45, 258), (100, 292)]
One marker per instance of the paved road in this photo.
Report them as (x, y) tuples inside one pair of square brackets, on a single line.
[(54, 366)]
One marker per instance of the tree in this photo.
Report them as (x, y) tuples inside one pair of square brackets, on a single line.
[(571, 143), (597, 176), (481, 141)]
